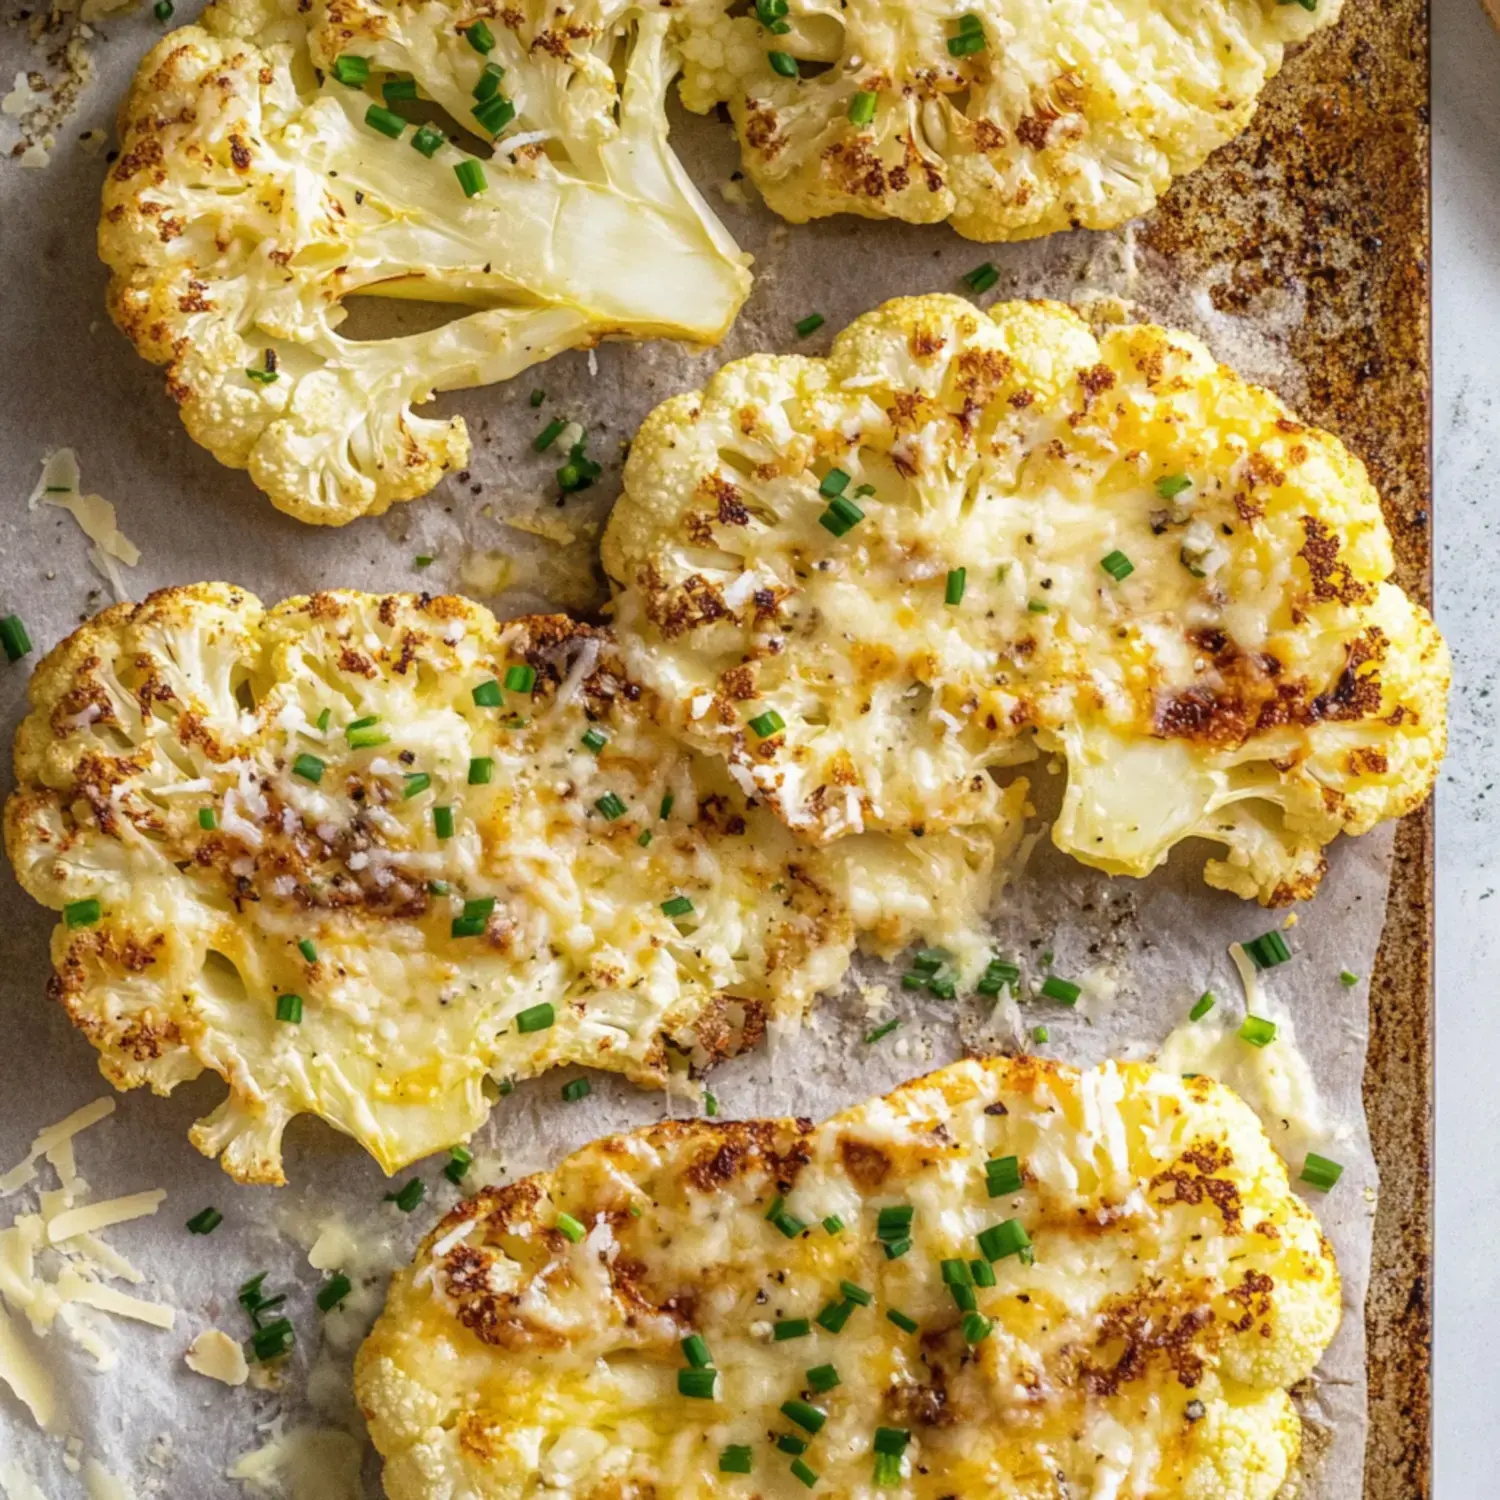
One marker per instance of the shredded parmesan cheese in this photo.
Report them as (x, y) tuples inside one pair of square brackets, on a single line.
[(217, 1356), (60, 486), (96, 1216)]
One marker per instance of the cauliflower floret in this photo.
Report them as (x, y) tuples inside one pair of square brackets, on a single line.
[(255, 191), (358, 853), (1132, 1330), (1009, 118), (869, 580)]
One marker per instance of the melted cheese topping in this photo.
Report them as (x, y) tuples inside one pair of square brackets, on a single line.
[(307, 802), (1175, 1288), (1251, 677)]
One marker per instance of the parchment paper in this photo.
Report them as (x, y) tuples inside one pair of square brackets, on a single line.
[(1150, 947)]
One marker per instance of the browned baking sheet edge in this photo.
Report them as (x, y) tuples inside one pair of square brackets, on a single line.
[(1329, 191)]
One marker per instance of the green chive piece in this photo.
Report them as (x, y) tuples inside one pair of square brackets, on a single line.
[(1319, 1172), (520, 679), (249, 1296), (883, 1030), (1258, 1031), (809, 325), (823, 1378), (887, 1470), (893, 1222), (308, 949), (800, 1470), (768, 723), (427, 140), (610, 807), (323, 719), (480, 37), (536, 1017), (666, 806), (998, 975), (862, 107), (1117, 565), (809, 1418), (1202, 1005), (594, 739), (578, 1088), (1040, 1034), (895, 1249), (955, 1273), (698, 1385), (1172, 485), (162, 10), (569, 1226), (82, 913), (976, 1328), (695, 1352), (1002, 1176), (475, 917), (208, 819), (1268, 950), (788, 1223), (351, 70), (856, 1293), (982, 1272), (471, 177), (394, 90), (678, 906), (710, 1101), (14, 639), (963, 1296), (644, 840), (942, 986), (958, 579), (736, 1459), (833, 1224), (785, 64), (1037, 606), (789, 1444), (930, 960), (537, 397), (834, 1316), (1064, 991), (892, 1440), (365, 736), (899, 1318), (834, 482), (460, 1159), (333, 1291), (413, 784), (486, 88), (791, 1328), (386, 121), (309, 768), (289, 1008), (442, 822), (1001, 1240), (841, 517), (494, 114), (208, 1220), (273, 1340), (410, 1194), (1348, 978), (771, 14), (437, 887), (487, 694), (985, 274)]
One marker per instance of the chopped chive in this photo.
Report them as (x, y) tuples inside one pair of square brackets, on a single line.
[(442, 822), (833, 1224), (610, 807), (494, 114), (1037, 606), (862, 107), (771, 14), (13, 638), (1002, 1175), (475, 917), (470, 177), (856, 1293), (481, 770), (437, 887), (1117, 565), (982, 1272), (791, 1328), (594, 739), (249, 1296), (834, 482), (698, 1385), (809, 1418), (955, 1273), (942, 986), (644, 838), (1172, 485), (808, 325), (308, 949), (427, 140), (975, 1327), (823, 1378), (205, 1221), (536, 1017), (786, 1443), (309, 768), (1320, 1172), (1202, 1005), (520, 679), (487, 694), (899, 1318), (365, 736), (666, 806), (892, 1440), (998, 975), (386, 121), (413, 784), (409, 1195), (208, 819), (289, 1008), (548, 435), (883, 1030), (578, 1088), (788, 1223), (887, 1470), (841, 517), (895, 1249), (800, 1470), (930, 960), (323, 719), (768, 723), (537, 397), (834, 1316), (351, 70), (480, 37), (273, 1340), (677, 906), (460, 1159), (487, 86), (710, 1102), (362, 723), (162, 10), (958, 579), (785, 64), (893, 1222), (1348, 978), (394, 90), (567, 1225), (1001, 1240), (736, 1459), (1258, 1031), (1064, 991), (1040, 1034), (695, 1352), (984, 275), (333, 1291), (1268, 950)]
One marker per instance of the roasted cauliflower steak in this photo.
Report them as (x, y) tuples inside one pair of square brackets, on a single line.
[(1006, 1278), (359, 854), (1008, 118), (868, 581), (255, 191)]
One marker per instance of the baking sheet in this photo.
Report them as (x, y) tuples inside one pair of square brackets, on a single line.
[(1302, 269)]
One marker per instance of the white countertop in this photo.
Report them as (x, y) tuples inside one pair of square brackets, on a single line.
[(1466, 512)]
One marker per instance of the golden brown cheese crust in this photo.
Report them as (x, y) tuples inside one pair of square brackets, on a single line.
[(1175, 1288)]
